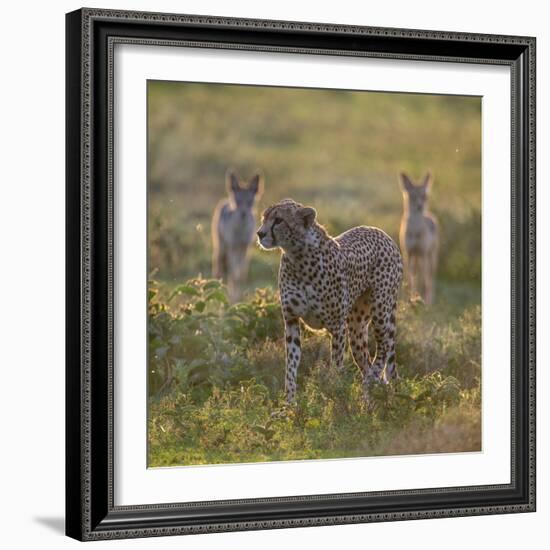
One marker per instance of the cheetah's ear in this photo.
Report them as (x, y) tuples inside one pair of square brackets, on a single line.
[(428, 180), (307, 214), (406, 183), (232, 181), (256, 184)]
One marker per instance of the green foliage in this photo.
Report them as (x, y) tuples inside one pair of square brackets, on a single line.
[(196, 336), (225, 402)]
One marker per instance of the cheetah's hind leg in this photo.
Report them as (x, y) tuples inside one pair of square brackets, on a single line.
[(383, 319), (358, 330)]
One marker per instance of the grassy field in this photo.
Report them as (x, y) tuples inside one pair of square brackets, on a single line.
[(216, 371)]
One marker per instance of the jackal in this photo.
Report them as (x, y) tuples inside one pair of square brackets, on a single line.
[(419, 236), (233, 231)]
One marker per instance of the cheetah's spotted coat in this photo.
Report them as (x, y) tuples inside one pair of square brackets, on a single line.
[(342, 284)]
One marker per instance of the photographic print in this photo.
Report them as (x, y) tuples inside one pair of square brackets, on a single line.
[(314, 273)]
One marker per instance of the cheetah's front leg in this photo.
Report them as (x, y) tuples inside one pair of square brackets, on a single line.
[(293, 354)]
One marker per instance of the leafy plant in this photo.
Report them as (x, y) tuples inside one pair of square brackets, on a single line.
[(216, 384), (199, 341)]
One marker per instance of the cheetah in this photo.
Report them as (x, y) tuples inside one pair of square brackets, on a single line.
[(419, 236), (341, 284), (233, 225)]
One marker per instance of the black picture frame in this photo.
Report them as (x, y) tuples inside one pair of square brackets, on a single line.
[(90, 510)]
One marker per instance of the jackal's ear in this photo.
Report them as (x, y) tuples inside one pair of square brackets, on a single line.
[(307, 215), (232, 181), (428, 180), (406, 183), (256, 184)]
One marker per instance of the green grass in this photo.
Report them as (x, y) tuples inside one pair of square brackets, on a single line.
[(228, 381), (216, 372)]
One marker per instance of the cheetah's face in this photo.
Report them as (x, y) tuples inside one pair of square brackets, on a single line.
[(285, 225)]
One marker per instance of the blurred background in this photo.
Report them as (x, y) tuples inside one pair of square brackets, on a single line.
[(336, 150)]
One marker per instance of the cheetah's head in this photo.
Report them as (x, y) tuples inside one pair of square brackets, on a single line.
[(285, 225)]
